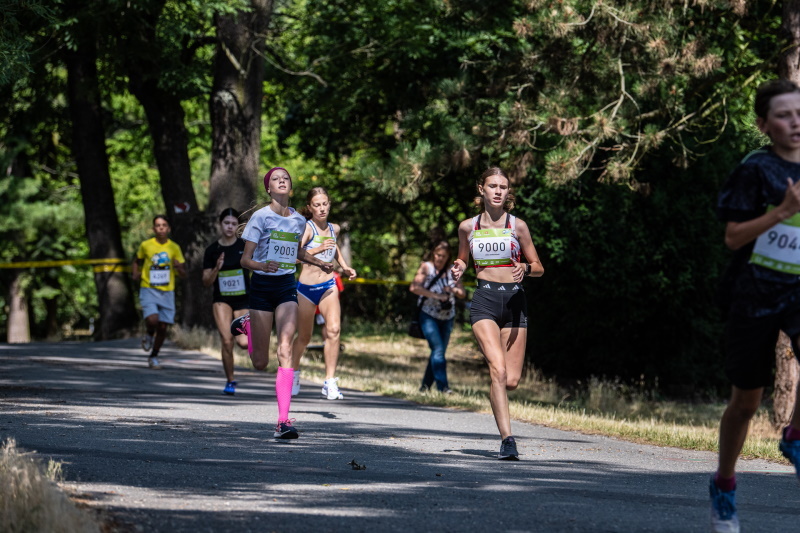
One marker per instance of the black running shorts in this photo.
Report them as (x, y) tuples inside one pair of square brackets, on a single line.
[(504, 303), (750, 346)]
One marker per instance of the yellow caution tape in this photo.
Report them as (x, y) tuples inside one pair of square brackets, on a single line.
[(65, 262), (366, 281)]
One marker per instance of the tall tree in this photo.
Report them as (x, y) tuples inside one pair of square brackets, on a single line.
[(236, 105), (115, 299)]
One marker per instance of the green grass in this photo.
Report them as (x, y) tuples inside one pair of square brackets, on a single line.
[(388, 362)]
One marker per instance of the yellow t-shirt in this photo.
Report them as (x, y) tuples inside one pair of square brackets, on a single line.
[(157, 271)]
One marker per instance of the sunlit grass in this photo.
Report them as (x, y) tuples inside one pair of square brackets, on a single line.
[(30, 500), (392, 364)]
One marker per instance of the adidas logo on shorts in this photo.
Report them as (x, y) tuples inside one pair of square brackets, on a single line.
[(501, 288), (487, 286)]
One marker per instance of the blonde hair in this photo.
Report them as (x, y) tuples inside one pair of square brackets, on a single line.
[(494, 171)]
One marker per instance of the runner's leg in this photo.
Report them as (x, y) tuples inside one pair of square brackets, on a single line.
[(223, 315), (260, 331), (331, 311), (488, 334)]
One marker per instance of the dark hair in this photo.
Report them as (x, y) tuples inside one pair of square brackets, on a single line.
[(494, 171), (269, 173), (305, 211), (229, 212), (769, 90), (161, 216), (436, 245)]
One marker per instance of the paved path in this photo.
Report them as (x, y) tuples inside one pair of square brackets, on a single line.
[(165, 451)]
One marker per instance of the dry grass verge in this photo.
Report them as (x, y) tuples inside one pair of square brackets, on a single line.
[(30, 499), (392, 364)]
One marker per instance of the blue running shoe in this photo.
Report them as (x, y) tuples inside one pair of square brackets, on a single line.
[(230, 388), (285, 430), (791, 450), (723, 509)]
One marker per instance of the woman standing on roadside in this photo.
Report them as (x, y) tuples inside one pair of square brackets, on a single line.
[(497, 241), (222, 268), (271, 250), (437, 292), (317, 287)]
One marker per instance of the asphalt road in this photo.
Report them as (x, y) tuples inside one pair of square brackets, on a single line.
[(165, 451)]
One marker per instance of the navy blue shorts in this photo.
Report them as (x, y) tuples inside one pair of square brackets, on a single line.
[(268, 292), (504, 303)]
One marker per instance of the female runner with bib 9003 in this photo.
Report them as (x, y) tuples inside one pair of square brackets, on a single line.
[(499, 311), (271, 250), (317, 287), (222, 268)]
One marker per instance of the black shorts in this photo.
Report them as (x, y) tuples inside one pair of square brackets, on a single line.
[(504, 303), (750, 346), (237, 304), (268, 292)]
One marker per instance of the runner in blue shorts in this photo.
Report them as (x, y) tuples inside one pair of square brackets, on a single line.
[(497, 240), (317, 287), (759, 204)]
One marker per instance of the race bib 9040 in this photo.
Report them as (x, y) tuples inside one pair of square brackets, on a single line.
[(231, 282), (779, 247), (283, 248), (491, 247), (328, 254)]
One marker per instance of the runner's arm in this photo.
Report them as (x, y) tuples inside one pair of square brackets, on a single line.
[(529, 250), (738, 234)]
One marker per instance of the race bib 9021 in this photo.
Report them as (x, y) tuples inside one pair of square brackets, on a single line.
[(779, 247), (231, 282)]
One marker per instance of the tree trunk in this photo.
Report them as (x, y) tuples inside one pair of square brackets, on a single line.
[(166, 121), (786, 371), (115, 299), (786, 377), (235, 107), (18, 321)]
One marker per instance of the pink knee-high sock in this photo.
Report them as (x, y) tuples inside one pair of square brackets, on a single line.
[(283, 390), (249, 337)]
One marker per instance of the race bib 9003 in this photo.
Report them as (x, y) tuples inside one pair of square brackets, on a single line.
[(283, 248), (491, 247), (779, 247)]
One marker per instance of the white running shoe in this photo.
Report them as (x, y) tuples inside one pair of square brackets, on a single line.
[(147, 342), (330, 389), (296, 383), (153, 363)]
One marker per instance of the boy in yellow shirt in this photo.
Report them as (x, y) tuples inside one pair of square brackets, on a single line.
[(155, 265)]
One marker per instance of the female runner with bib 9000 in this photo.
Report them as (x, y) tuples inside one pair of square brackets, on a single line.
[(497, 241), (271, 250), (317, 287), (222, 268)]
